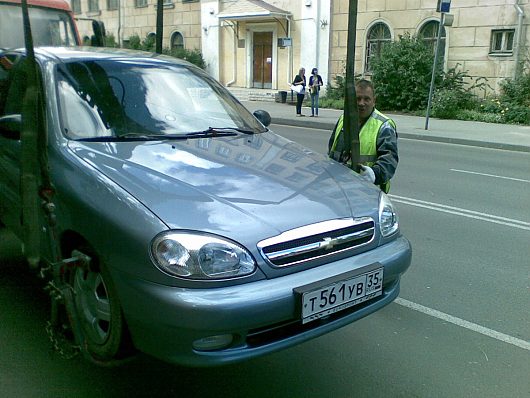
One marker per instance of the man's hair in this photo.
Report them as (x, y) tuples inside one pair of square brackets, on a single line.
[(364, 84)]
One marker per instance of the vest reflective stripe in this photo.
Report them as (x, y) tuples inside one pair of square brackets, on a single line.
[(367, 138)]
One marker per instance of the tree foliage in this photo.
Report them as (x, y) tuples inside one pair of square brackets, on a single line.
[(402, 74)]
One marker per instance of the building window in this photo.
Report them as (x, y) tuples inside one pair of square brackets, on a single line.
[(177, 41), (76, 6), (140, 3), (378, 36), (502, 41), (429, 34), (93, 5), (112, 5)]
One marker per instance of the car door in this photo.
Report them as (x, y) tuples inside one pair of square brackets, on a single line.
[(12, 89)]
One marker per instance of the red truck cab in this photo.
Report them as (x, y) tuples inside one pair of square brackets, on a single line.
[(52, 23)]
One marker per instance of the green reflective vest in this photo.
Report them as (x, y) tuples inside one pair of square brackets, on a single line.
[(367, 140)]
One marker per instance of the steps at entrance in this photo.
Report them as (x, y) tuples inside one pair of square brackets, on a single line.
[(253, 94)]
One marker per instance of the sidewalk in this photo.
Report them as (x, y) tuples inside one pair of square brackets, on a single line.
[(488, 135)]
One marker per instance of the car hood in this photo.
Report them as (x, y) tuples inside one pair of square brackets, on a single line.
[(244, 187)]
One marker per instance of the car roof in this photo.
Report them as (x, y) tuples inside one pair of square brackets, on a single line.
[(69, 54)]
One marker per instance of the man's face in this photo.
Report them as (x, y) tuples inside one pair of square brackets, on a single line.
[(365, 102)]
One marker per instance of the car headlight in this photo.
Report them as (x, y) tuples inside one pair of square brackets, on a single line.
[(196, 255), (388, 218)]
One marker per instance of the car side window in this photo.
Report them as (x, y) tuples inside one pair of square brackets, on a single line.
[(5, 72), (13, 83)]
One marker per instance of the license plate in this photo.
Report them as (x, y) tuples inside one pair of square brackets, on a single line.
[(341, 292)]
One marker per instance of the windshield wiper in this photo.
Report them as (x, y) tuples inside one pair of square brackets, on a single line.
[(218, 132), (119, 138), (209, 132)]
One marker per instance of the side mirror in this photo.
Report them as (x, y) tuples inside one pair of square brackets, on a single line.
[(263, 116), (11, 126)]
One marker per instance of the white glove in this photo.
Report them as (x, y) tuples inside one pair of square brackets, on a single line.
[(367, 173)]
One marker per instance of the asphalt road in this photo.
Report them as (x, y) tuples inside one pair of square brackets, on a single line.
[(461, 327)]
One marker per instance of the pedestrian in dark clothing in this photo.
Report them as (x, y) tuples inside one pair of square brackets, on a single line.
[(315, 82), (300, 80), (377, 137)]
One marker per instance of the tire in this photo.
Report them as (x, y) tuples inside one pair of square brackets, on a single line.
[(99, 313)]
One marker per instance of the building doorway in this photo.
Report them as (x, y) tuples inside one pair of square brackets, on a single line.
[(262, 60)]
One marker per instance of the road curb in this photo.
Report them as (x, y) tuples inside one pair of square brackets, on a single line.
[(304, 122), (461, 141), (314, 123)]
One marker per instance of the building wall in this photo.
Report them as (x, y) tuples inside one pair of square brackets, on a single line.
[(315, 33), (467, 40), (229, 58), (179, 16), (310, 43), (319, 31)]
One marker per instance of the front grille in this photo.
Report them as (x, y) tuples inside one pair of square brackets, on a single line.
[(317, 240)]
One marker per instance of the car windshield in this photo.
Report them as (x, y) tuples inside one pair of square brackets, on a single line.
[(127, 98)]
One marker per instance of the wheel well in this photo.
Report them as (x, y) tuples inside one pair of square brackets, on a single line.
[(71, 240)]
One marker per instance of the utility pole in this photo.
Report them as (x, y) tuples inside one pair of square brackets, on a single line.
[(29, 154), (159, 25), (351, 113)]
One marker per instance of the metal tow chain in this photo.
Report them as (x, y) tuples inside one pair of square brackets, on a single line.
[(58, 331), (60, 343)]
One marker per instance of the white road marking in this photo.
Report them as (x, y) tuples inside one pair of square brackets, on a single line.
[(463, 212), (525, 345), (490, 175)]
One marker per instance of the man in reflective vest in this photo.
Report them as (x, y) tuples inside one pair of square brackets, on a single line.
[(378, 140)]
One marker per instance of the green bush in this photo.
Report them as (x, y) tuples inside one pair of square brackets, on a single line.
[(110, 41), (193, 56), (478, 116), (456, 92), (493, 110), (466, 85), (491, 105), (516, 91), (445, 103), (506, 112), (402, 74), (325, 102), (518, 114), (337, 90), (149, 44)]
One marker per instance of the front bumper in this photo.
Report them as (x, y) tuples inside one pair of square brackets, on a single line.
[(261, 316)]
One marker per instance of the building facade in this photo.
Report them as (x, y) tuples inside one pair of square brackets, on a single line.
[(262, 44), (487, 38)]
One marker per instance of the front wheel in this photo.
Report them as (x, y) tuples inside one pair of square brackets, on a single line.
[(99, 313)]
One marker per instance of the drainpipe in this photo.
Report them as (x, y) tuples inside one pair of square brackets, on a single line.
[(289, 54), (518, 38), (119, 24), (317, 25), (234, 66)]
